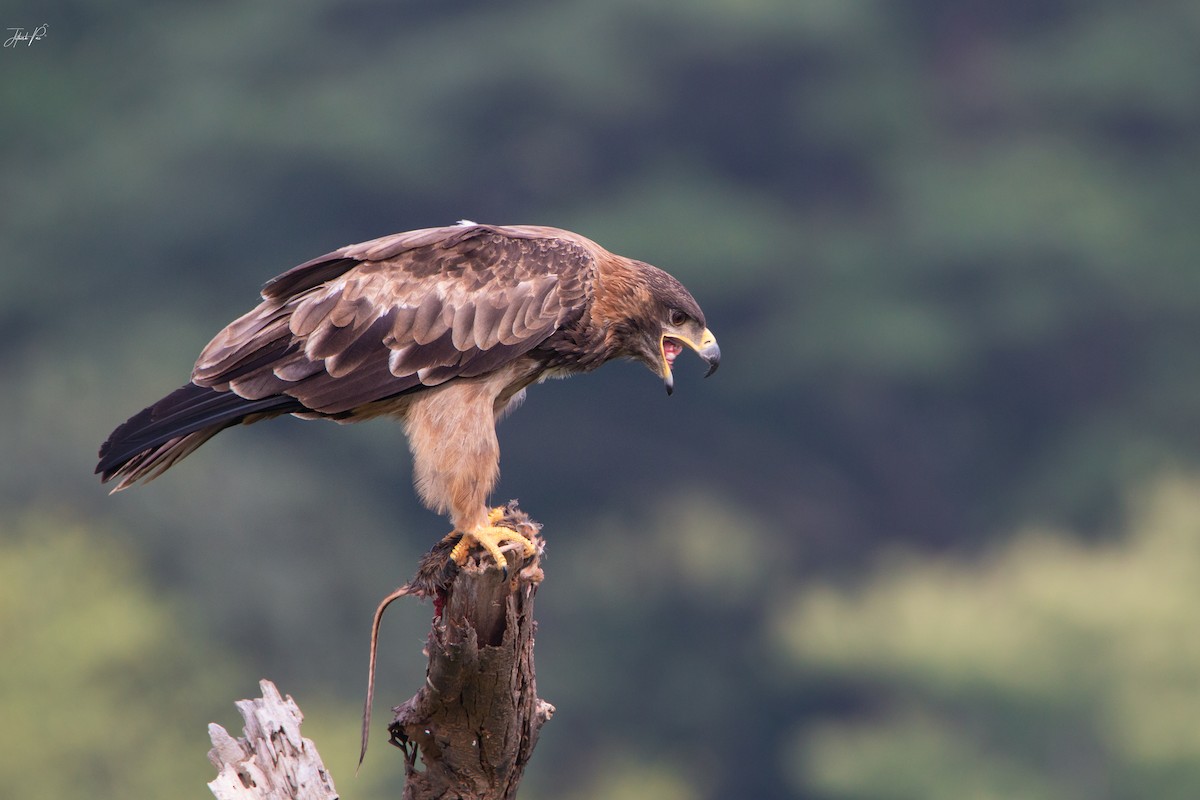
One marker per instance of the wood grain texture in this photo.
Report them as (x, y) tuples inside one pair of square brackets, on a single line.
[(271, 761)]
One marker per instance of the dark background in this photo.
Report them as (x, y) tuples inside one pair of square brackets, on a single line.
[(932, 531)]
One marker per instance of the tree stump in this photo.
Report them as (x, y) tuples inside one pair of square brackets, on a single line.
[(475, 720), (271, 761)]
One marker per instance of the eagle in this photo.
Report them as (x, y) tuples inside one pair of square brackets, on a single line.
[(441, 328)]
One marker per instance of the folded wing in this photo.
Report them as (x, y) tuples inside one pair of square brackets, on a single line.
[(399, 314), (363, 324)]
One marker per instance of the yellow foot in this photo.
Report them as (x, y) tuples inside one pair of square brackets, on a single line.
[(489, 537)]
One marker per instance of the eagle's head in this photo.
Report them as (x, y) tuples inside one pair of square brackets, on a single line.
[(655, 317)]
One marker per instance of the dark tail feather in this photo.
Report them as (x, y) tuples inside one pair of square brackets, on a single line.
[(156, 437)]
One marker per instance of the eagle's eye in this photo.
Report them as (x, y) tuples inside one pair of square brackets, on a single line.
[(677, 317)]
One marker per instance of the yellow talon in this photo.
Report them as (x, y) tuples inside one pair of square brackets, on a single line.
[(489, 538)]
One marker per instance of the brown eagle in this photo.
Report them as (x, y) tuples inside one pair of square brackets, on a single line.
[(442, 328)]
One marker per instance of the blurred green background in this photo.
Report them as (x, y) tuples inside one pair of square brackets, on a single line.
[(932, 532)]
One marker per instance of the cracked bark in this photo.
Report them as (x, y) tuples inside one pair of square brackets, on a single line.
[(475, 721)]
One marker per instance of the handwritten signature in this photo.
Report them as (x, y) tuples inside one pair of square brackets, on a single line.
[(26, 37)]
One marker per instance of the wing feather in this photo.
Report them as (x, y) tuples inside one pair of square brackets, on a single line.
[(362, 349), (311, 312), (485, 331), (462, 329), (439, 353), (390, 316), (348, 309), (328, 340), (506, 331), (335, 396), (533, 307), (297, 368), (402, 325), (428, 324)]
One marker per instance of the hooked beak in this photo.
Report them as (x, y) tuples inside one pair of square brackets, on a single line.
[(707, 349)]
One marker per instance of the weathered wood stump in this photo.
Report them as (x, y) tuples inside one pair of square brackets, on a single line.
[(475, 721), (271, 761)]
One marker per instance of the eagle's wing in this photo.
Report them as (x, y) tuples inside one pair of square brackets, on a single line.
[(378, 319)]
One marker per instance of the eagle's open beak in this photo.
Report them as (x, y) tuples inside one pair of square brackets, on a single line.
[(707, 349)]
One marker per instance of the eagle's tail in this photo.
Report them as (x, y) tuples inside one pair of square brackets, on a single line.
[(156, 437)]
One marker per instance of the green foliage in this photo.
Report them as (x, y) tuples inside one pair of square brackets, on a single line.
[(108, 686), (1050, 669), (105, 693)]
